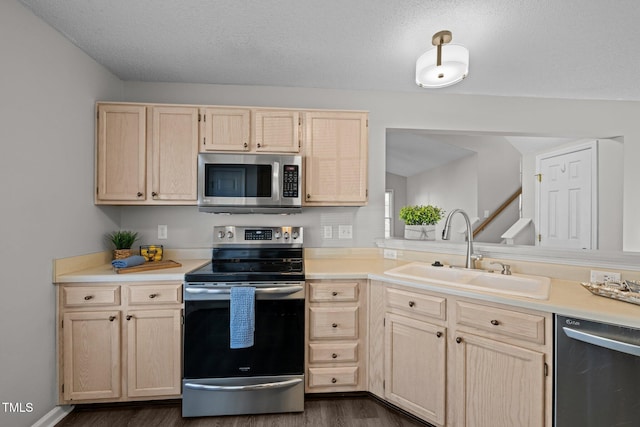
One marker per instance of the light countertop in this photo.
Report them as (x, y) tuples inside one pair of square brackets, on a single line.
[(105, 273), (567, 297)]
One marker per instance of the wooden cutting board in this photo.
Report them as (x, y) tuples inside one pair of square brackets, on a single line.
[(149, 265)]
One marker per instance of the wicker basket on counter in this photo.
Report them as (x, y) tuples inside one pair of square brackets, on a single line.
[(122, 253)]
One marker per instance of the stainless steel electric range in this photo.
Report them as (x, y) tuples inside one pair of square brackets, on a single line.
[(267, 376)]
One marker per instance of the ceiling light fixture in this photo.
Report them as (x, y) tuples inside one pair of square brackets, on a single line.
[(443, 65)]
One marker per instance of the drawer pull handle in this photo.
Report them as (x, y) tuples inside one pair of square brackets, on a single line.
[(333, 380), (438, 334), (88, 297), (334, 356), (495, 322), (112, 318), (334, 293), (458, 340), (152, 296), (334, 325), (129, 317), (411, 303)]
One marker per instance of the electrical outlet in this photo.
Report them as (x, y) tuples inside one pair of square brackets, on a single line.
[(162, 232), (604, 276), (390, 254), (345, 232), (327, 232)]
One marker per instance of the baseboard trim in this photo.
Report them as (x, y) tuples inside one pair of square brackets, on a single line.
[(54, 416)]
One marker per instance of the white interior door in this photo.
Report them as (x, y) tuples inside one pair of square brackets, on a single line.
[(567, 199)]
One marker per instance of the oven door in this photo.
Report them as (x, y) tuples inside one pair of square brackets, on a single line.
[(278, 341)]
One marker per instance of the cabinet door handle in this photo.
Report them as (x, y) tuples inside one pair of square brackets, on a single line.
[(139, 194), (152, 296), (333, 380), (334, 356), (308, 196), (411, 303), (112, 318), (334, 325), (245, 145), (334, 293), (495, 322), (88, 297), (458, 340), (129, 316), (438, 334), (154, 194), (259, 145)]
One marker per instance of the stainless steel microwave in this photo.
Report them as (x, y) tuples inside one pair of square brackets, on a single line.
[(249, 183)]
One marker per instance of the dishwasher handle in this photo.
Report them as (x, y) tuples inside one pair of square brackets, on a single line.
[(621, 346)]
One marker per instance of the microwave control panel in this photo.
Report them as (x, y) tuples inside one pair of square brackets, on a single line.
[(290, 181)]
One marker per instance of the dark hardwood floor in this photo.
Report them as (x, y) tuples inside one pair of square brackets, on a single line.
[(349, 411)]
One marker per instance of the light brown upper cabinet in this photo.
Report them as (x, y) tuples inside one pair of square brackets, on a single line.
[(276, 131), (146, 154), (335, 151), (225, 129), (121, 153)]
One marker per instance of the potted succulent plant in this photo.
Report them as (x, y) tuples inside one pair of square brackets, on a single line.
[(420, 221), (122, 240)]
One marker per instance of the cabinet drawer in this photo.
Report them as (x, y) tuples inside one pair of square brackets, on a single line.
[(333, 377), (334, 322), (340, 291), (528, 327), (88, 296), (155, 294), (329, 353), (413, 302)]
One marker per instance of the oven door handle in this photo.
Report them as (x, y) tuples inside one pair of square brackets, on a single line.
[(279, 384), (280, 290), (621, 346)]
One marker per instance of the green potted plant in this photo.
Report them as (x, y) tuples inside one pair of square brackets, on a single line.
[(122, 240), (420, 221)]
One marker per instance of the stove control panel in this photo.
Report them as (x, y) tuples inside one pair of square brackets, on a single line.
[(247, 235)]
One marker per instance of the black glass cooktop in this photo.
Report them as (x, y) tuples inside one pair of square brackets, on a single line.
[(245, 265)]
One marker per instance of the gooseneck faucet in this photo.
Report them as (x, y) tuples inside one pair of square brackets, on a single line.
[(447, 231)]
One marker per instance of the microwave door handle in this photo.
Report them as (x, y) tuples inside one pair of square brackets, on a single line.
[(621, 346), (274, 385), (275, 181), (280, 290)]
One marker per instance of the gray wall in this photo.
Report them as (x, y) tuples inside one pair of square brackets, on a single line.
[(48, 88)]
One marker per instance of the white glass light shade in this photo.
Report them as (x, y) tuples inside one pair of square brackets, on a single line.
[(454, 68)]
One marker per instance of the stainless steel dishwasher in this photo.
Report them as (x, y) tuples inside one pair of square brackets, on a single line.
[(597, 374)]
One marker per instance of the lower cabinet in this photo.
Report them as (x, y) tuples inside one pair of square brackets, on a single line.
[(336, 336), (416, 367), (456, 361), (119, 342)]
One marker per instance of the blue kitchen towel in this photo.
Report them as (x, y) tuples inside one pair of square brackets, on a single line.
[(128, 262), (243, 320)]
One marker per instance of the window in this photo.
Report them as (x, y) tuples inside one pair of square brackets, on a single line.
[(388, 214)]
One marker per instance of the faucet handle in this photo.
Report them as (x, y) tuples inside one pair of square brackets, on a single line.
[(506, 268)]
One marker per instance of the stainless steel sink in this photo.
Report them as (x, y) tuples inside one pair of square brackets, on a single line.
[(529, 286)]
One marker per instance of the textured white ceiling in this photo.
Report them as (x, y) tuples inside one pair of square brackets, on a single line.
[(543, 48)]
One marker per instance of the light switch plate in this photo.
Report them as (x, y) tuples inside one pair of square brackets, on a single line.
[(604, 276)]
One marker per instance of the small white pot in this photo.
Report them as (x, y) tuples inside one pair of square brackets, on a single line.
[(420, 232)]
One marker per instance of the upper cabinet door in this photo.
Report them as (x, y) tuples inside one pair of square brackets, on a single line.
[(174, 153), (276, 131), (335, 158), (121, 141), (225, 129)]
